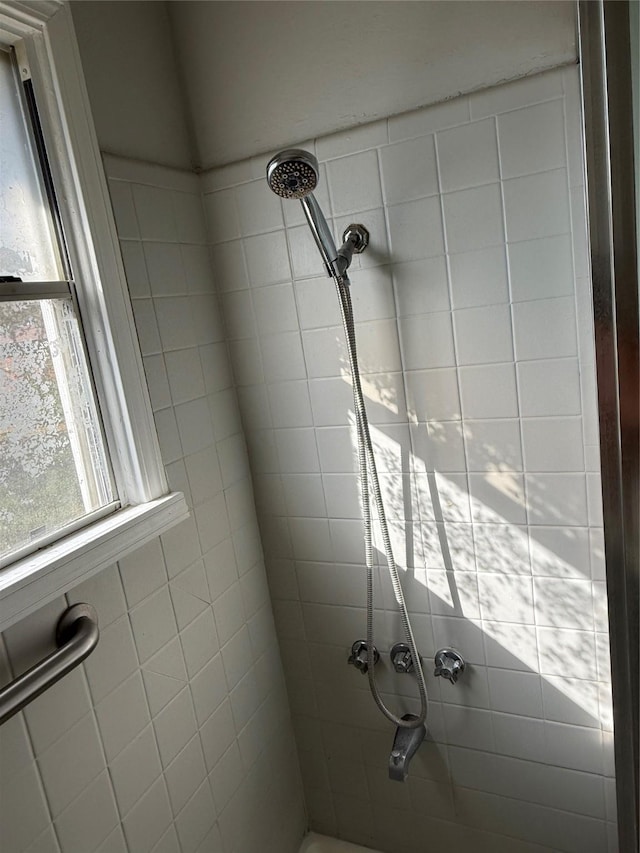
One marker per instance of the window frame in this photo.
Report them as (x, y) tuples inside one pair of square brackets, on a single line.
[(43, 37)]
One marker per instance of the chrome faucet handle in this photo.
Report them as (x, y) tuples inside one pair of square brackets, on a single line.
[(449, 664), (401, 658), (359, 656)]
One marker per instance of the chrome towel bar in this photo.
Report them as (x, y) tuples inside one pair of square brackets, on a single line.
[(77, 635)]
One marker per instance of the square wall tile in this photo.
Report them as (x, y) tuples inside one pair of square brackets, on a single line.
[(88, 820), (229, 266), (259, 209), (532, 139), (427, 341), (537, 206), (71, 764), (123, 210), (506, 598), (479, 278), (468, 155), (267, 258), (324, 351), (175, 321), (305, 258), (541, 269), (154, 213), (493, 445), (135, 769), (355, 183), (188, 212), (552, 444), (222, 215), (153, 623), (317, 304), (421, 286), (473, 218), (439, 446), (554, 499), (498, 497), (545, 328), (113, 660), (194, 425), (282, 357), (489, 391), (122, 715), (290, 404), (174, 726), (149, 818), (164, 267), (105, 593), (502, 548), (409, 170), (549, 387), (433, 395), (564, 603), (143, 572), (156, 375), (483, 335), (196, 265), (416, 230), (239, 318), (371, 294), (516, 692), (135, 269), (146, 326), (24, 809), (275, 309), (185, 774), (196, 819)]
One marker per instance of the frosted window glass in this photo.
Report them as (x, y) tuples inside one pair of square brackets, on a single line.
[(27, 245), (53, 467)]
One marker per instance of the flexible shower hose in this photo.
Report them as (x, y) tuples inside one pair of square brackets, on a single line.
[(370, 485)]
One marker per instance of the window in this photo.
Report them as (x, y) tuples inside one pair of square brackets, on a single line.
[(81, 479), (54, 469)]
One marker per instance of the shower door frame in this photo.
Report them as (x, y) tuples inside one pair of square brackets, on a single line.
[(609, 148)]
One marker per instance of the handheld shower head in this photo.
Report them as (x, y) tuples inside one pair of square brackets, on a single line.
[(293, 173)]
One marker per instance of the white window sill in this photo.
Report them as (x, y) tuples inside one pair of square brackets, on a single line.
[(37, 579)]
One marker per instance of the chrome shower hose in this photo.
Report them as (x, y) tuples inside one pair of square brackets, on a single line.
[(371, 486)]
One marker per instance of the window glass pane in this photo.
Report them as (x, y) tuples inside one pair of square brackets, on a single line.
[(27, 245), (53, 467)]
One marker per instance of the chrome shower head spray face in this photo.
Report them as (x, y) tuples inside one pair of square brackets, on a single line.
[(293, 173)]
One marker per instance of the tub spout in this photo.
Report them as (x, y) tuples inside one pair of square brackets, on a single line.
[(405, 746)]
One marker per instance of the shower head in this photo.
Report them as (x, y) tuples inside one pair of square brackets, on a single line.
[(293, 173)]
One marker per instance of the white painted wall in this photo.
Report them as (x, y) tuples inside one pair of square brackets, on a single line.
[(261, 75), (129, 66)]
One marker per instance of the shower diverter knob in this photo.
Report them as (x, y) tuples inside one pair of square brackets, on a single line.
[(359, 656)]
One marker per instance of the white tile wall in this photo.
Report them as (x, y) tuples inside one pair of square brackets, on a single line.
[(148, 746), (477, 354), (472, 312)]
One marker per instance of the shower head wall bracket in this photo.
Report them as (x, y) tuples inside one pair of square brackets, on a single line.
[(356, 240), (358, 234)]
